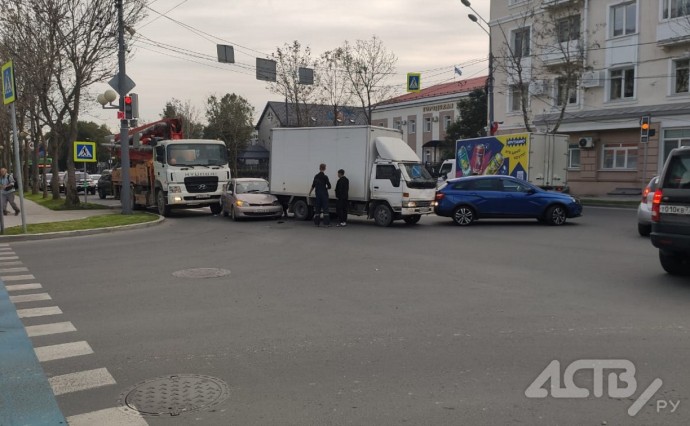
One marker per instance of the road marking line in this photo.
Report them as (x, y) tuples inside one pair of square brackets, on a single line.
[(107, 417), (19, 287), (9, 258), (30, 297), (6, 270), (46, 329), (4, 244), (38, 312), (11, 263), (82, 380), (61, 351), (17, 277)]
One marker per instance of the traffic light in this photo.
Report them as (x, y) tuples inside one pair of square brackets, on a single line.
[(644, 128), (131, 102)]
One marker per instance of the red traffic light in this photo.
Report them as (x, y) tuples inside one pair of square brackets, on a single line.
[(128, 100)]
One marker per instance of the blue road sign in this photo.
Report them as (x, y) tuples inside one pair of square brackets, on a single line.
[(9, 93), (414, 83), (85, 152)]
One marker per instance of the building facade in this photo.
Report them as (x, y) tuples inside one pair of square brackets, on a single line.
[(592, 69), (424, 116)]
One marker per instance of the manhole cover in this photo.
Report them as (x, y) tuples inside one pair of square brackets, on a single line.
[(201, 273), (174, 395)]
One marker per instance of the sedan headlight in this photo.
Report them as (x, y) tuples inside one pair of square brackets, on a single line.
[(240, 203), (276, 203), (174, 188)]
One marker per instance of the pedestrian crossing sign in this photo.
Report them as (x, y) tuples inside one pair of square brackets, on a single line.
[(85, 152), (414, 82)]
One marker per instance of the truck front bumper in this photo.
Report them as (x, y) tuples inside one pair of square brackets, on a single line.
[(409, 211), (183, 199)]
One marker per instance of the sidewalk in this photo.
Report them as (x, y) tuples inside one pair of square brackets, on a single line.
[(35, 213)]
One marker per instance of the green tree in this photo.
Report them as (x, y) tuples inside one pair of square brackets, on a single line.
[(470, 124), (230, 120)]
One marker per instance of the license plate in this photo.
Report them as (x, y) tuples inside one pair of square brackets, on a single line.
[(665, 208)]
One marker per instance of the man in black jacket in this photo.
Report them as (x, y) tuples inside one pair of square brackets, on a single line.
[(342, 187), (321, 185)]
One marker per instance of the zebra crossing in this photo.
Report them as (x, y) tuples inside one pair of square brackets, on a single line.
[(24, 292)]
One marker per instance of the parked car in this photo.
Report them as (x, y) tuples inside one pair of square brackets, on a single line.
[(644, 210), (84, 180), (48, 177), (671, 213), (104, 186), (467, 199), (249, 197)]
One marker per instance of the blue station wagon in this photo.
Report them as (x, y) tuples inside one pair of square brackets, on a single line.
[(470, 198)]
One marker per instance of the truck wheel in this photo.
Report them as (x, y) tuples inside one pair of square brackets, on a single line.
[(162, 204), (555, 215), (101, 194), (673, 264), (411, 220), (216, 208), (463, 216), (383, 216), (301, 210)]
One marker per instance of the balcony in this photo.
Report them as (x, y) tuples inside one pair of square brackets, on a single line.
[(673, 32), (562, 53), (555, 4)]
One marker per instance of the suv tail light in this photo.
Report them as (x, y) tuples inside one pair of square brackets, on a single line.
[(656, 205), (439, 196), (644, 195)]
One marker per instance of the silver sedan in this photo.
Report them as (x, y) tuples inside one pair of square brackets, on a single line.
[(249, 197)]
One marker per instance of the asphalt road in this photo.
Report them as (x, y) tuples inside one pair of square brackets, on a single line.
[(426, 324)]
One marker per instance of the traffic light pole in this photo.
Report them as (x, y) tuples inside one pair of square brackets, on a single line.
[(125, 197)]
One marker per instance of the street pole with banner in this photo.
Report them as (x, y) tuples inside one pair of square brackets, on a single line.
[(9, 96)]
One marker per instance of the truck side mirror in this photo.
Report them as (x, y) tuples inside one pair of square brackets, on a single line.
[(395, 180)]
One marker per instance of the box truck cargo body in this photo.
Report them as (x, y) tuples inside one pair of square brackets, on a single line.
[(387, 180), (539, 158)]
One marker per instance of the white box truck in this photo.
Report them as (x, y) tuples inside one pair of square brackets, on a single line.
[(539, 158), (387, 180)]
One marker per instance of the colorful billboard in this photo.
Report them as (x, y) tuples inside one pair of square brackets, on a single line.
[(493, 155)]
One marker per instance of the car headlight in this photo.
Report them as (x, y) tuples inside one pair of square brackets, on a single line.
[(276, 203), (240, 203), (174, 188), (410, 204)]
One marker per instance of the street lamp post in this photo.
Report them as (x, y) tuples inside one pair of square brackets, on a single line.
[(124, 124), (490, 82)]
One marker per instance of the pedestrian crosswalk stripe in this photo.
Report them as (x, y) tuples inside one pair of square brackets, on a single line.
[(38, 312), (29, 297), (17, 277), (20, 287), (46, 329), (82, 380), (11, 263), (9, 257), (6, 270), (62, 351), (107, 417), (4, 245)]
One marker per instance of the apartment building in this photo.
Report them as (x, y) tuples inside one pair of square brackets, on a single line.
[(592, 69), (424, 116)]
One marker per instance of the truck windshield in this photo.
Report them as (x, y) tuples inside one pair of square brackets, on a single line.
[(417, 176), (197, 154)]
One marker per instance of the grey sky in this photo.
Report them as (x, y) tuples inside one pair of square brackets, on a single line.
[(427, 36)]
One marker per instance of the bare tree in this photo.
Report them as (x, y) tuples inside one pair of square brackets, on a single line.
[(289, 59), (333, 89), (367, 65), (544, 58)]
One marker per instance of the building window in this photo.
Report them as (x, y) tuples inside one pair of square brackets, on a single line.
[(681, 71), (623, 19), (446, 122), (676, 8), (412, 126), (396, 124), (521, 42), (516, 93), (427, 124), (573, 156), (568, 29), (565, 93), (619, 156), (622, 84), (675, 138)]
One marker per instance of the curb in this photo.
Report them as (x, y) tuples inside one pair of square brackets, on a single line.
[(623, 204), (80, 232)]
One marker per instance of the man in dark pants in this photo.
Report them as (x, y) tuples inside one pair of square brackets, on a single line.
[(342, 187), (321, 185)]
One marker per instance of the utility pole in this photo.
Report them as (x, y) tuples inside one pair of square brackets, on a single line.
[(125, 196)]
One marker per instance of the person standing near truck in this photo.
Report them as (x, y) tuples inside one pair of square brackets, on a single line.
[(342, 187), (320, 185)]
